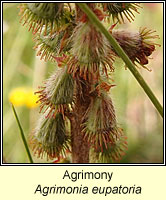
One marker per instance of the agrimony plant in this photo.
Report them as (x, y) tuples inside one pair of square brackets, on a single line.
[(71, 35)]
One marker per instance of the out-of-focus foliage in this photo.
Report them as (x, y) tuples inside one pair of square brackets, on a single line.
[(136, 114)]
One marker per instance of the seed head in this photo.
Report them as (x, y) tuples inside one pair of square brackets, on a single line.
[(48, 46), (50, 138), (90, 52), (114, 151), (47, 15), (57, 92), (99, 123), (137, 45), (118, 10)]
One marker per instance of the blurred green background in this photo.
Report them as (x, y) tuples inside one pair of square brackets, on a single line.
[(135, 113)]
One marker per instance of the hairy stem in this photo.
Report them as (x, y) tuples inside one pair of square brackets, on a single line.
[(80, 147)]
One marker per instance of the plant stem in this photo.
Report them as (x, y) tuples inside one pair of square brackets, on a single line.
[(95, 21), (22, 135), (80, 147)]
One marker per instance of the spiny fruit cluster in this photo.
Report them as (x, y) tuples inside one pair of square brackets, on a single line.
[(63, 34)]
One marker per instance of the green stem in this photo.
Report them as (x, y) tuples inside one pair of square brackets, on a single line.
[(22, 135), (92, 17)]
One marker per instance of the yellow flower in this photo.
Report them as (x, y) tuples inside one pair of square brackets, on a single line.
[(31, 99), (23, 96), (17, 96)]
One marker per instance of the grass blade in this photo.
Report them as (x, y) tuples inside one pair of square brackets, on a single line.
[(22, 135)]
